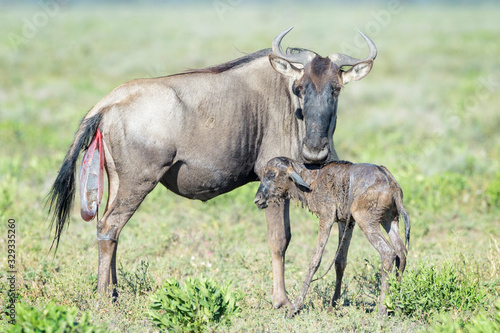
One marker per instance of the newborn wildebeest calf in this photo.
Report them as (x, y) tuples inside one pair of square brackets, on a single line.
[(342, 192)]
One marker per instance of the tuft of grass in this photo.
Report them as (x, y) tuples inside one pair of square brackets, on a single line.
[(426, 290), (51, 318), (138, 282)]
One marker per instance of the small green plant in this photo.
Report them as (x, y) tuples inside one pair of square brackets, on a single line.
[(52, 318), (430, 289), (368, 279), (138, 282), (194, 305)]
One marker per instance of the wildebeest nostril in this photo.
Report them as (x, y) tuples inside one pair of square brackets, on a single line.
[(315, 157)]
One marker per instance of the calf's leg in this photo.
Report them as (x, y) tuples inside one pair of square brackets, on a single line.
[(323, 233), (278, 236), (371, 228), (392, 229), (341, 260)]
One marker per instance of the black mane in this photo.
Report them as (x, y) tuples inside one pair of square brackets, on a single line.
[(231, 64)]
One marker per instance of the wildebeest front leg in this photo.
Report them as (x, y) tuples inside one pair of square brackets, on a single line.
[(341, 260), (279, 235), (323, 233)]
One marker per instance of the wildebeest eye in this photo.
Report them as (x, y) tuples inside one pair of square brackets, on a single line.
[(297, 90), (336, 89)]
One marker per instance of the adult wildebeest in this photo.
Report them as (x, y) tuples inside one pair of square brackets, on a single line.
[(206, 132), (345, 193)]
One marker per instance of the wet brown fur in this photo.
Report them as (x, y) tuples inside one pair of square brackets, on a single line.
[(345, 193)]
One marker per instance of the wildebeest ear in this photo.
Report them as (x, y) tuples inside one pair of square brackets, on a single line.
[(357, 72), (299, 181), (285, 67)]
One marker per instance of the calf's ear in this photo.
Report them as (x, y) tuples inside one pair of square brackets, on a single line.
[(357, 72), (299, 181), (285, 67)]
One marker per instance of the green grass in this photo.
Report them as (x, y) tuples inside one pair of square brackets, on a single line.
[(428, 111)]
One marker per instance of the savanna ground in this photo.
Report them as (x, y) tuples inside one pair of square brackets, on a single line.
[(428, 111)]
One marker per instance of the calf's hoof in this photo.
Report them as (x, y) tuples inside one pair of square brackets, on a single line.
[(293, 310), (382, 311)]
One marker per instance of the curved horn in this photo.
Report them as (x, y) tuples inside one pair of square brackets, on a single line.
[(340, 59), (302, 57)]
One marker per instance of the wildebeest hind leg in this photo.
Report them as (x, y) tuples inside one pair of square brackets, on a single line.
[(108, 232), (126, 193)]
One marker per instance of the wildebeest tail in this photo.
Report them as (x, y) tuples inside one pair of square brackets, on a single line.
[(62, 194)]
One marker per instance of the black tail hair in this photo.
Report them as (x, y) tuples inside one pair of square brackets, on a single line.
[(62, 194)]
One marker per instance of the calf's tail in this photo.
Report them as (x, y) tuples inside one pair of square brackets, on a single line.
[(62, 194), (398, 199)]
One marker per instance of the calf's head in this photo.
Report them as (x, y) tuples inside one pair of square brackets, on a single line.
[(279, 177), (317, 82)]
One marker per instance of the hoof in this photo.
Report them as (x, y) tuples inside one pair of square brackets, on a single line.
[(293, 311), (333, 307), (280, 303)]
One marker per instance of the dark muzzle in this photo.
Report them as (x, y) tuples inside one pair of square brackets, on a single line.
[(316, 153)]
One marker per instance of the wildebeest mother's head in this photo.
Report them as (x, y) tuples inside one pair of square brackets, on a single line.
[(317, 82)]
